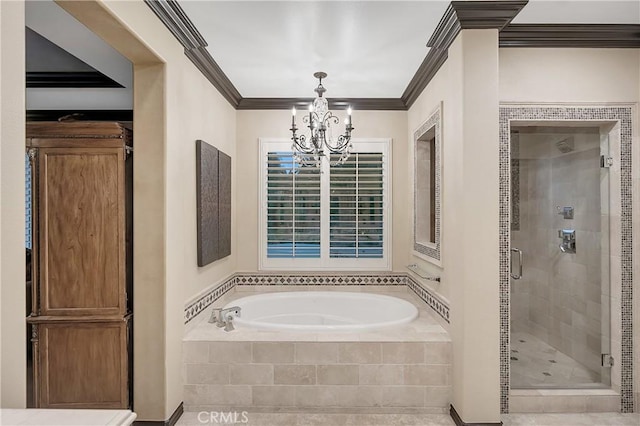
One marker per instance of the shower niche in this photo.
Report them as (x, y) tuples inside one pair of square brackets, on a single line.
[(560, 303)]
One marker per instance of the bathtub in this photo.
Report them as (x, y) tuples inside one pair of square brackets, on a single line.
[(317, 311)]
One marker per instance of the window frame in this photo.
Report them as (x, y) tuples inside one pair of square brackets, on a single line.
[(324, 262)]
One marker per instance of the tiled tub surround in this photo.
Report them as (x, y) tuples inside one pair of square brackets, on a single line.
[(203, 301), (403, 369)]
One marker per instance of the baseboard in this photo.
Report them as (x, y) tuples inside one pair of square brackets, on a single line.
[(458, 421), (171, 421)]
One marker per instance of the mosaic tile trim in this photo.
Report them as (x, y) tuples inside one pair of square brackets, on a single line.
[(433, 121), (27, 202), (295, 279), (624, 116), (515, 181), (193, 309), (429, 298)]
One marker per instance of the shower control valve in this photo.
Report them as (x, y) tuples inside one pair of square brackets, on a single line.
[(566, 212), (568, 244)]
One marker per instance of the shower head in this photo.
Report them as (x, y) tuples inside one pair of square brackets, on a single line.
[(565, 145)]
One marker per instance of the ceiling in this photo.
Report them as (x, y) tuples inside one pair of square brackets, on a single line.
[(369, 49)]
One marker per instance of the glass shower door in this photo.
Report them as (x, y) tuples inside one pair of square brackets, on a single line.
[(560, 257)]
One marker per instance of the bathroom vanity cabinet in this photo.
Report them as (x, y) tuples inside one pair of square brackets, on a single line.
[(81, 310)]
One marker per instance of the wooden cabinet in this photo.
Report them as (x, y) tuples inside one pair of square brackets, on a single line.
[(81, 312), (83, 364)]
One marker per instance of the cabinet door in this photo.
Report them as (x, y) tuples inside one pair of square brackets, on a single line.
[(82, 365), (81, 231)]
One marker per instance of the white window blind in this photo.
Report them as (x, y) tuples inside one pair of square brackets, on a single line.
[(327, 218), (293, 208), (357, 206)]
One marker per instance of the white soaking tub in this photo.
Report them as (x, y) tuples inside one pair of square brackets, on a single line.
[(316, 311)]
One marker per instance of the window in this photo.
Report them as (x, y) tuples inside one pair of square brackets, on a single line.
[(332, 217)]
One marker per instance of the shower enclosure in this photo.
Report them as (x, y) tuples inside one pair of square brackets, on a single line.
[(560, 299)]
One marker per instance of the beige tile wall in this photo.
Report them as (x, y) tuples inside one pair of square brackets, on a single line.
[(332, 375)]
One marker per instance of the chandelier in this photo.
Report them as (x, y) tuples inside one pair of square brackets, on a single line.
[(309, 148)]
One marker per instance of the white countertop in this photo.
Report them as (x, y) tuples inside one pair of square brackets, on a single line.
[(62, 417)]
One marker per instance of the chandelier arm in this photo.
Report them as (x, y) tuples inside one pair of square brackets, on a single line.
[(301, 144), (343, 142)]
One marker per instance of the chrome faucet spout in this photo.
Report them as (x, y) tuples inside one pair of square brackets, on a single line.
[(224, 317)]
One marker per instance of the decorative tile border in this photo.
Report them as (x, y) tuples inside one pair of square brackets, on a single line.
[(295, 279), (433, 121), (427, 297), (194, 308), (570, 113), (515, 181), (199, 305), (27, 202)]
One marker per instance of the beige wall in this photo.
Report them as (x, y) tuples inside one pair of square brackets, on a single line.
[(569, 75), (252, 125), (439, 90), (12, 253), (467, 84)]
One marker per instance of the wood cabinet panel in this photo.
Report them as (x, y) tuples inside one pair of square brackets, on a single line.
[(81, 226), (53, 130), (83, 365), (82, 255)]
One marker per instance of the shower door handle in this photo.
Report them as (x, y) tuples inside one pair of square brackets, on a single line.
[(519, 274)]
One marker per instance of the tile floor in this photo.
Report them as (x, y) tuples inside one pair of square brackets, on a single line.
[(535, 363), (324, 419)]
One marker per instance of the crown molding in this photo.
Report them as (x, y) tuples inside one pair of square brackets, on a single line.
[(427, 70), (202, 59), (386, 104), (80, 115), (571, 35), (179, 24), (177, 21), (460, 15), (463, 15), (84, 79)]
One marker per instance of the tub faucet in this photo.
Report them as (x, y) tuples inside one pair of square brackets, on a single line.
[(224, 317)]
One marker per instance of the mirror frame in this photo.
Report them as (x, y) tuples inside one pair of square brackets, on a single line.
[(429, 250)]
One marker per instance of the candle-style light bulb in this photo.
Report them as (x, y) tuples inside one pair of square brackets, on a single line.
[(293, 116), (349, 116)]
